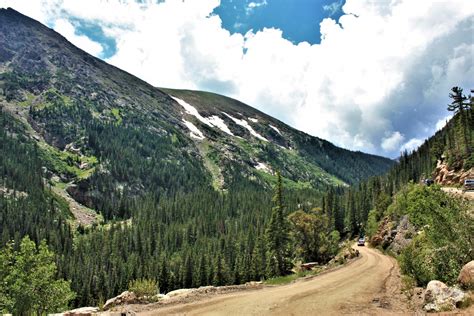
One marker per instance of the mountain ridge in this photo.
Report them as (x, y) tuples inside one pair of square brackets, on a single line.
[(47, 84)]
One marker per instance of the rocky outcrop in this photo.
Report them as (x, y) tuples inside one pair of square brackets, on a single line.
[(405, 232), (466, 276), (343, 256), (440, 297), (445, 176), (124, 298), (385, 234)]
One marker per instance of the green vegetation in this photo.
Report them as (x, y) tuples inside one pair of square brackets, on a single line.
[(143, 287), (116, 113), (28, 283), (445, 243), (67, 163), (277, 235), (314, 236)]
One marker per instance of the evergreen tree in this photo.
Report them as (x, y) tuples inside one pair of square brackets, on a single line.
[(278, 235)]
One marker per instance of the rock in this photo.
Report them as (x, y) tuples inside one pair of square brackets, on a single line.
[(82, 311), (440, 297), (466, 276), (383, 236), (162, 297), (308, 266), (404, 234), (124, 298), (180, 292)]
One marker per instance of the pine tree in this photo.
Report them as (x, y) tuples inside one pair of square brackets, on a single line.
[(278, 235)]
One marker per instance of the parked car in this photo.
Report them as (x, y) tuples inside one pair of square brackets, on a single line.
[(361, 242), (428, 182), (468, 184)]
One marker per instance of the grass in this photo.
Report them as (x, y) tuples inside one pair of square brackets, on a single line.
[(211, 163), (29, 100), (64, 162), (286, 279), (287, 183), (282, 280), (116, 113)]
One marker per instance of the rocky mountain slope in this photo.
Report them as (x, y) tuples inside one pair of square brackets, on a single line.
[(102, 131)]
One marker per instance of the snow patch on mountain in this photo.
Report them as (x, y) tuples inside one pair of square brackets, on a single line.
[(213, 121), (276, 129), (219, 123), (192, 110), (195, 132), (254, 120), (246, 125)]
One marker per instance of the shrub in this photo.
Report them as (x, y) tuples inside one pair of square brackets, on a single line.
[(143, 287), (445, 243)]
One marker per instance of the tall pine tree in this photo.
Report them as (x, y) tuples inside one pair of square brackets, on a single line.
[(277, 234)]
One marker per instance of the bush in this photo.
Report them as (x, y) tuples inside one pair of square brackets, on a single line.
[(143, 287), (445, 243)]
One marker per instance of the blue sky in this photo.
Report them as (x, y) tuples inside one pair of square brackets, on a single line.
[(298, 19), (368, 75)]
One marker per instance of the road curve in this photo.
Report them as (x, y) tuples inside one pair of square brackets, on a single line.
[(358, 288)]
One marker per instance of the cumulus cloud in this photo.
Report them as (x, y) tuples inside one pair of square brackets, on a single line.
[(411, 145), (392, 142), (384, 68)]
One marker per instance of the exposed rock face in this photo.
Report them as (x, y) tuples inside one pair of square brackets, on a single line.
[(385, 234), (124, 298), (445, 176), (405, 233), (440, 297), (466, 276)]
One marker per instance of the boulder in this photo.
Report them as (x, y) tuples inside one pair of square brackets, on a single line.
[(124, 298), (384, 235), (180, 292), (404, 234), (162, 297), (440, 297), (83, 311), (466, 276)]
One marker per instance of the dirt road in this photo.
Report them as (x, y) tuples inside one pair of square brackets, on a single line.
[(459, 192), (368, 285)]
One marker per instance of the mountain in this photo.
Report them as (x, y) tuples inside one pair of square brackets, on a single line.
[(74, 102), (171, 181)]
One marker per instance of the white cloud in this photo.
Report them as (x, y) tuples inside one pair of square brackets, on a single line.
[(384, 66), (392, 142), (411, 145), (257, 4), (67, 30), (442, 122), (332, 8)]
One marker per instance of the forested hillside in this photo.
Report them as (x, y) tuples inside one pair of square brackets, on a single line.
[(404, 213), (452, 145)]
